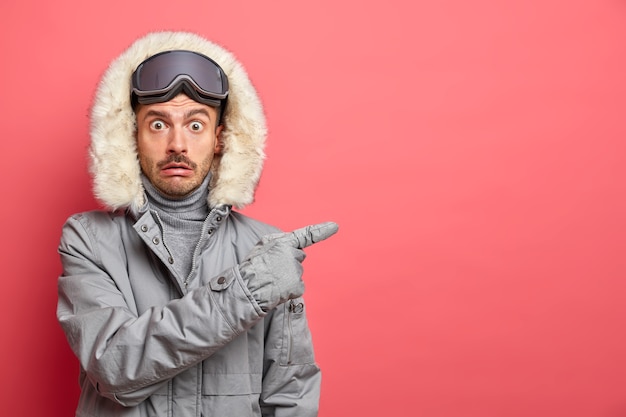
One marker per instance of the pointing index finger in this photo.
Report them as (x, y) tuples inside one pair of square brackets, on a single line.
[(309, 235)]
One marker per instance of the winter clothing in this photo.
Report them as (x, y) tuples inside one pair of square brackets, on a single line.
[(151, 339)]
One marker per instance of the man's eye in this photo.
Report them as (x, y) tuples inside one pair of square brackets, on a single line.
[(196, 126), (157, 125)]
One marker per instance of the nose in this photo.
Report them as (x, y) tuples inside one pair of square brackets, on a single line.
[(177, 142)]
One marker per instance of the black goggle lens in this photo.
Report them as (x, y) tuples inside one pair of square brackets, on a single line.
[(158, 74)]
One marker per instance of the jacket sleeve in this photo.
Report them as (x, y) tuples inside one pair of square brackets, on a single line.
[(128, 356), (292, 379)]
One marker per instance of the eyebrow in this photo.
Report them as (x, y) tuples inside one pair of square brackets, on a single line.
[(193, 112), (155, 113)]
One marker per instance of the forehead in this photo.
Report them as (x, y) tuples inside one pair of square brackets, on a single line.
[(179, 106)]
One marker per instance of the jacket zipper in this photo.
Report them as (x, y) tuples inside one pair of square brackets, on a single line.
[(290, 331), (160, 223), (291, 310), (195, 250)]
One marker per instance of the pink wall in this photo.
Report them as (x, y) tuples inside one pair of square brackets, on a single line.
[(473, 153)]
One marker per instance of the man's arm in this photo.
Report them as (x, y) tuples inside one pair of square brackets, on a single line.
[(127, 356)]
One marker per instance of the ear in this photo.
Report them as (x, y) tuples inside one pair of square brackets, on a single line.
[(219, 143)]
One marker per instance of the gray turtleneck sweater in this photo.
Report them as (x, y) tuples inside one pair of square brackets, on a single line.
[(182, 221)]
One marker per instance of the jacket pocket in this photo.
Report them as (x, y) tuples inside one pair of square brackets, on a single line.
[(297, 346)]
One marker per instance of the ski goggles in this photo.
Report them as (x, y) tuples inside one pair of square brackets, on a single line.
[(163, 76)]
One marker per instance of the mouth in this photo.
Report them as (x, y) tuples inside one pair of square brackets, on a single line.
[(174, 165), (176, 169)]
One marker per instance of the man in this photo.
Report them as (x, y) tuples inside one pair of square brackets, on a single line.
[(175, 304)]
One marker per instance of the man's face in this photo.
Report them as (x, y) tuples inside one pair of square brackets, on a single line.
[(176, 142)]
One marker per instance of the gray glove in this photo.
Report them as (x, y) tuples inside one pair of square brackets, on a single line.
[(273, 268)]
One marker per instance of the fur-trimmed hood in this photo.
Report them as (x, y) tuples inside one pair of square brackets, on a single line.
[(114, 163)]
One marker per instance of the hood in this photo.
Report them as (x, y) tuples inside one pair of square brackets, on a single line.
[(114, 163)]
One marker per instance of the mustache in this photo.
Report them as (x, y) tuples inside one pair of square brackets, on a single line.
[(177, 159)]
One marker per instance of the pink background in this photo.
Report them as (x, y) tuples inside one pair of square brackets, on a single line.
[(472, 152)]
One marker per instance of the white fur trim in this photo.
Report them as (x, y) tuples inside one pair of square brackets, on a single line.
[(114, 162)]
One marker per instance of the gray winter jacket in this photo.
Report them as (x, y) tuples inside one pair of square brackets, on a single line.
[(153, 343)]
